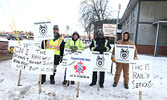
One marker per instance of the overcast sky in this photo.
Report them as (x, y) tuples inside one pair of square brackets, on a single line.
[(61, 12)]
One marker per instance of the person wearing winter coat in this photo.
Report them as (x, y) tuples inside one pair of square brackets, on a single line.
[(56, 44), (99, 44), (74, 44), (123, 66)]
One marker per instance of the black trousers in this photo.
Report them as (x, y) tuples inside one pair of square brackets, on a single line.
[(44, 77), (94, 79)]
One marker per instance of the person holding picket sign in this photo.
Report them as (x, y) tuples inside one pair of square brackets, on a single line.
[(56, 44), (124, 66), (74, 44), (99, 44)]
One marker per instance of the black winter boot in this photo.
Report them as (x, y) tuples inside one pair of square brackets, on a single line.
[(126, 86), (64, 82), (52, 81), (115, 84), (72, 82), (101, 86), (91, 84)]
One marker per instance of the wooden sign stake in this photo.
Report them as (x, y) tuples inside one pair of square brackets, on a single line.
[(140, 95), (78, 89)]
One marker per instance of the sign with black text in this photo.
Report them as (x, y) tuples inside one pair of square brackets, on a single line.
[(100, 62), (37, 61), (109, 29), (78, 65), (140, 75), (124, 53)]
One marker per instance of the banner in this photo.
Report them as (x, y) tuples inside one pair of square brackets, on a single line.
[(78, 66), (43, 31), (124, 53), (140, 75), (100, 62), (37, 61)]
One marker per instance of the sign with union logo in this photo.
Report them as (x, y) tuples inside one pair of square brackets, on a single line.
[(43, 30), (124, 53), (101, 62), (78, 66)]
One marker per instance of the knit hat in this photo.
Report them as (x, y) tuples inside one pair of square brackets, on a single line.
[(56, 27)]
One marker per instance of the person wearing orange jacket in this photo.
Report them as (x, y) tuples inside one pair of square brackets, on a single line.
[(123, 66)]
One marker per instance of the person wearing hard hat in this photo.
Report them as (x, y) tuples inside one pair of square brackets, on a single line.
[(99, 44), (75, 43), (56, 44)]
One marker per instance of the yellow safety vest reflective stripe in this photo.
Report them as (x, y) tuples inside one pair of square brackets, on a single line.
[(54, 45), (78, 43)]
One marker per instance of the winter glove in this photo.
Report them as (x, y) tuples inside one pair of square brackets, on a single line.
[(113, 59), (61, 59), (73, 49), (97, 49)]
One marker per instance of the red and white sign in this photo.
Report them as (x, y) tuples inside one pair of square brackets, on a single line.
[(78, 66), (109, 30)]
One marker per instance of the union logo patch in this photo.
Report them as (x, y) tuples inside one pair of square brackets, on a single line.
[(79, 67)]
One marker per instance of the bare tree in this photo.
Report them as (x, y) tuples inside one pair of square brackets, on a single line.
[(93, 13)]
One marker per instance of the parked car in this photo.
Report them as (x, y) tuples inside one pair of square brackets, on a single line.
[(12, 37)]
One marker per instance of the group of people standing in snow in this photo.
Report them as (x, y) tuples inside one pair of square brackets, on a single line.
[(100, 43)]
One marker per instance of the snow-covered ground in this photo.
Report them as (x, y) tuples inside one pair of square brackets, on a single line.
[(30, 87)]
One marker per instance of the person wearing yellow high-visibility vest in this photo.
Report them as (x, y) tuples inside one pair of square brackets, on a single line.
[(74, 44), (56, 44)]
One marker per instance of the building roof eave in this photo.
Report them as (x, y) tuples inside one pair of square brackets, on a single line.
[(128, 10)]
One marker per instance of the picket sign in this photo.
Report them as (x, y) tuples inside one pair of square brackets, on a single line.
[(124, 53), (100, 61), (140, 75), (80, 65), (36, 61), (43, 30)]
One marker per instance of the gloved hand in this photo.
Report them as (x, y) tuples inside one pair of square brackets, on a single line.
[(113, 59), (61, 59), (97, 49), (73, 49), (103, 49)]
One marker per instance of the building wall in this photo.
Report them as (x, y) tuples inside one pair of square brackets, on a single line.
[(151, 11), (130, 24), (146, 34)]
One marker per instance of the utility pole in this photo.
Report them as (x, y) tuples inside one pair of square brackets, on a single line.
[(119, 8)]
